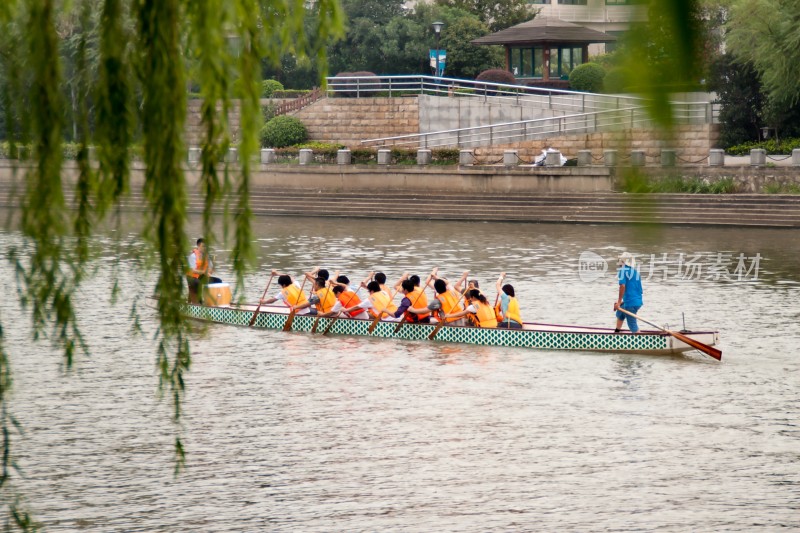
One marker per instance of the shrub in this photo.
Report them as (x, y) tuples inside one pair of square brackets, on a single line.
[(773, 147), (283, 131), (268, 88), (587, 77), (497, 75), (355, 89), (290, 93)]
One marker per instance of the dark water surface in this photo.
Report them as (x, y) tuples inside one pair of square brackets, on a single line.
[(292, 432)]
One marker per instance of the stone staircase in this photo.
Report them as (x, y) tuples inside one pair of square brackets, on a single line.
[(608, 208)]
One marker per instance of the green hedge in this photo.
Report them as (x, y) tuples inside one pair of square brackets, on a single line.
[(638, 183), (773, 147), (269, 87), (587, 77), (283, 131)]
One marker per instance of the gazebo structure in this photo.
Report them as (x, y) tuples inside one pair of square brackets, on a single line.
[(545, 50)]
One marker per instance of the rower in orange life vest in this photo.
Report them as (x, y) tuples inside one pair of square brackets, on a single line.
[(290, 294), (507, 308), (414, 305), (322, 298), (448, 299), (349, 303), (479, 311), (200, 266), (377, 302)]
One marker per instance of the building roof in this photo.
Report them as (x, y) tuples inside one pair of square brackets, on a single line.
[(545, 30)]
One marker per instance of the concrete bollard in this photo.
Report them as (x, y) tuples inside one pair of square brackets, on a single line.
[(716, 157), (584, 158), (552, 159), (268, 156), (424, 157), (668, 158), (638, 158), (610, 158), (466, 158), (194, 156), (796, 157), (384, 156), (306, 156), (343, 157), (758, 157), (232, 156), (510, 158)]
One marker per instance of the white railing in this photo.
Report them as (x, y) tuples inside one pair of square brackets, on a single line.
[(538, 97), (519, 131)]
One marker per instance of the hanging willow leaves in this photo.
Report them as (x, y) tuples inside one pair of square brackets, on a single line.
[(129, 64)]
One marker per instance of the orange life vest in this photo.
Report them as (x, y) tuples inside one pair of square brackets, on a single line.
[(348, 299), (449, 301), (326, 300), (380, 301), (201, 263), (513, 311), (418, 300), (293, 295), (485, 317)]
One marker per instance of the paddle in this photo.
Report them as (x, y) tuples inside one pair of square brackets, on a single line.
[(288, 325), (443, 320), (427, 284), (340, 313), (705, 348), (255, 315)]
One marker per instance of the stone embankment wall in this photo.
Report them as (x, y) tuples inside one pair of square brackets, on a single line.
[(348, 121)]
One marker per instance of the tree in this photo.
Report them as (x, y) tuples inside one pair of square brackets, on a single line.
[(496, 14), (742, 103), (146, 68), (764, 34)]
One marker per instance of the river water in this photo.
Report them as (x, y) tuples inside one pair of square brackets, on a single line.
[(292, 432)]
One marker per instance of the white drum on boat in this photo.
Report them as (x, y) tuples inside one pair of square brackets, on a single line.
[(217, 294)]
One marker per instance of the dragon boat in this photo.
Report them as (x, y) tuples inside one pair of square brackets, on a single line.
[(532, 335)]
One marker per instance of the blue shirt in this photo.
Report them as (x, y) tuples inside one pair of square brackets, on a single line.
[(633, 286)]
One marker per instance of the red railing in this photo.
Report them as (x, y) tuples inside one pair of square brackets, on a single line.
[(297, 104)]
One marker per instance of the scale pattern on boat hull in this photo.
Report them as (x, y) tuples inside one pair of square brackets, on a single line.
[(547, 340)]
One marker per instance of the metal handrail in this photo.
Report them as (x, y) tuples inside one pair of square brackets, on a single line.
[(518, 131), (539, 97)]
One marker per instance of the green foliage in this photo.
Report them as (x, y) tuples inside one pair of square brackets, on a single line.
[(617, 80), (290, 93), (283, 131), (764, 33), (635, 182), (587, 77), (773, 147), (496, 14), (114, 73), (781, 188), (268, 88), (741, 101)]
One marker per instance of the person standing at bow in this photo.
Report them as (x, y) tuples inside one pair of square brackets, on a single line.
[(200, 270), (290, 295), (630, 292)]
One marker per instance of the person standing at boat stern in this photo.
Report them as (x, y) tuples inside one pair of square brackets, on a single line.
[(630, 292), (200, 270)]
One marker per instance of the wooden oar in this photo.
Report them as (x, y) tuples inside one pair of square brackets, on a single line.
[(340, 313), (705, 348), (255, 315), (288, 325), (427, 284)]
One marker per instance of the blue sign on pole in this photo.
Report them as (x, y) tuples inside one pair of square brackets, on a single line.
[(442, 61)]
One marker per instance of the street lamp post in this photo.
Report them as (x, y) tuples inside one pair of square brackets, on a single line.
[(437, 29)]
